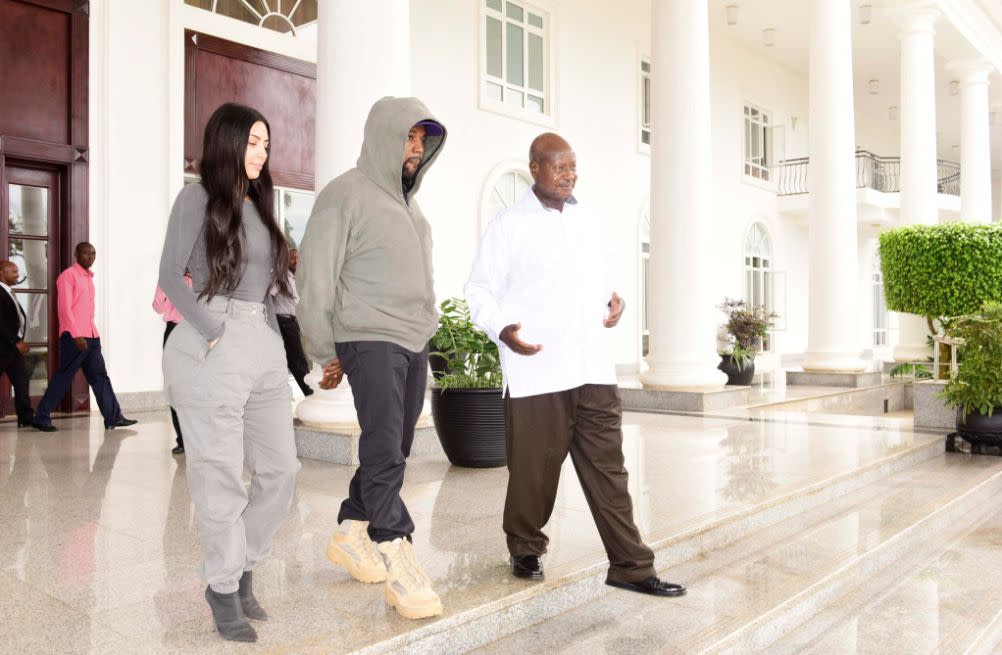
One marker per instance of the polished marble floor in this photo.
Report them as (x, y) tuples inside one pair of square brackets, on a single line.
[(98, 552)]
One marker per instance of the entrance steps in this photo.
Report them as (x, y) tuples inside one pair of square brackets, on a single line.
[(756, 570), (908, 563)]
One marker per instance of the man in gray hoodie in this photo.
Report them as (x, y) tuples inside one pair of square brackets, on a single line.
[(367, 307)]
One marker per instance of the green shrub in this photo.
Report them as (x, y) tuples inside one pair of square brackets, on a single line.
[(977, 387), (941, 271), (472, 358)]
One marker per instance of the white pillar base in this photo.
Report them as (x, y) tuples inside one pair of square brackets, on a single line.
[(835, 363), (683, 376), (334, 409)]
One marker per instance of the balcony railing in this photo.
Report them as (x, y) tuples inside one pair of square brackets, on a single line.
[(872, 172)]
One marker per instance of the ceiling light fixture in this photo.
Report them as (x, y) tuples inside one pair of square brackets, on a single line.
[(954, 87), (732, 14), (874, 87), (865, 14), (769, 37), (892, 112)]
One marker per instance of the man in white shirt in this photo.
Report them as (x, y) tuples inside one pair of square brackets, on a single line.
[(541, 289), (13, 325)]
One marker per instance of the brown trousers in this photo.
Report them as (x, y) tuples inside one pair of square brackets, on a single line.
[(540, 431)]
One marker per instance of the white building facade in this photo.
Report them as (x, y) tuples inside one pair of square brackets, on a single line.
[(700, 134)]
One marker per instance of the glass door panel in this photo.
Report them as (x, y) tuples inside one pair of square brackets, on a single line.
[(32, 217)]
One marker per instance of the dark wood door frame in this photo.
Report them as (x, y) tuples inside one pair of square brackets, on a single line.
[(69, 155)]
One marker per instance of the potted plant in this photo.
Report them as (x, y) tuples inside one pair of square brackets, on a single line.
[(976, 389), (940, 271), (466, 402), (743, 333)]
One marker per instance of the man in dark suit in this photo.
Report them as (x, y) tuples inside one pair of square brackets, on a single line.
[(13, 325)]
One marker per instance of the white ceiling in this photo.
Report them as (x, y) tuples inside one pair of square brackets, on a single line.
[(876, 54)]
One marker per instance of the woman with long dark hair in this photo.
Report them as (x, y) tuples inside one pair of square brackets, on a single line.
[(224, 365)]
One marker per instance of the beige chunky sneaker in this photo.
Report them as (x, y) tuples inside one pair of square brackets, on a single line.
[(354, 551), (408, 589)]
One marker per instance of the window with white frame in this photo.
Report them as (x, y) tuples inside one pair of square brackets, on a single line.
[(645, 102), (515, 56), (645, 282), (879, 304), (758, 143), (759, 277)]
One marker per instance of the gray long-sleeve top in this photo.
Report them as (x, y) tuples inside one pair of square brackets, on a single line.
[(184, 248)]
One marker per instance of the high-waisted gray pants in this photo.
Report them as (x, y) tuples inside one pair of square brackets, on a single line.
[(234, 405)]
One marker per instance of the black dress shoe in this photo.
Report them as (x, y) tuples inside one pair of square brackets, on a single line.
[(24, 422), (653, 585), (527, 567), (44, 428), (177, 450), (121, 423)]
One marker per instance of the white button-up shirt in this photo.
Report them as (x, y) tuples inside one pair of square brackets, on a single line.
[(549, 271)]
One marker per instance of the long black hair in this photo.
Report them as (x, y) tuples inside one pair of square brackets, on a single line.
[(225, 180)]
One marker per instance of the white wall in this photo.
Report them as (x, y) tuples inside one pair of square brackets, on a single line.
[(875, 130), (129, 183)]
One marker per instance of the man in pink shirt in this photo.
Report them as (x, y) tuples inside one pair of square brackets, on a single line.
[(79, 345), (163, 306)]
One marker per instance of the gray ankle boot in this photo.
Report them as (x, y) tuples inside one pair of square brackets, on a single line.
[(229, 616), (252, 610)]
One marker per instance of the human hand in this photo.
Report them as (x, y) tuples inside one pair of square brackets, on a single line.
[(616, 307), (509, 337), (332, 374), (22, 347), (81, 343)]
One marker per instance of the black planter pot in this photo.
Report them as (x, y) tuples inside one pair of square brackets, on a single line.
[(470, 426), (734, 376), (980, 430)]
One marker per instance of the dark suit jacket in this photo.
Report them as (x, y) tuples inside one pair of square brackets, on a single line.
[(10, 325)]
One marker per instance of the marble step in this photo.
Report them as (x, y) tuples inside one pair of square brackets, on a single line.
[(950, 602), (492, 605), (745, 596)]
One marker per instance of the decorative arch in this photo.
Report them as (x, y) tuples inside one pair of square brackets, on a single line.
[(504, 186)]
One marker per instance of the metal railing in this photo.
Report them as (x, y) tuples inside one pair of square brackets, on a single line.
[(872, 172), (947, 177)]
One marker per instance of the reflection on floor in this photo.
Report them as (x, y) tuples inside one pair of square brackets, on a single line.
[(99, 552)]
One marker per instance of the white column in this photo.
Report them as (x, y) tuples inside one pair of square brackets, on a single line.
[(363, 54), (683, 317), (918, 151), (832, 328), (975, 141)]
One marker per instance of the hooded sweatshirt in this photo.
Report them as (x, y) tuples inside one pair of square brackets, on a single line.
[(365, 269)]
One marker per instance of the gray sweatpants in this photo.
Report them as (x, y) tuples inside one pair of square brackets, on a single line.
[(234, 405)]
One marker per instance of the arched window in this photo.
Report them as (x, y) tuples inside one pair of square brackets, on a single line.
[(289, 16), (506, 191), (645, 281), (759, 282), (879, 304)]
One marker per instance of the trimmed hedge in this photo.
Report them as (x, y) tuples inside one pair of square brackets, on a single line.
[(942, 270)]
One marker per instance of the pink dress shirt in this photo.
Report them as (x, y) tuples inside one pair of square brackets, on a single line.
[(75, 289), (163, 306)]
